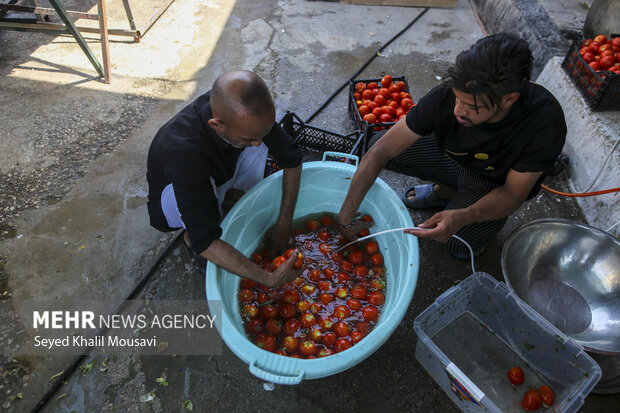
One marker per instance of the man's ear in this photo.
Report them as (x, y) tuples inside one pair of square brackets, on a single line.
[(509, 99), (216, 124)]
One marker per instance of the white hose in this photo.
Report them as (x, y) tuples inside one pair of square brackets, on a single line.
[(471, 251)]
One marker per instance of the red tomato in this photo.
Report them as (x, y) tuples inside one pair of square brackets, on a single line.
[(328, 272), (262, 298), (601, 38), (386, 81), (327, 221), (341, 329), (329, 338), (357, 96), (315, 308), (356, 337), (245, 283), (363, 327), (341, 292), (606, 62), (393, 88), (370, 313), (257, 258), (385, 92), (372, 105), (395, 106), (360, 270), (372, 247), (246, 295), (386, 118), (302, 305), (363, 233), (367, 218), (607, 52), (605, 47), (515, 375), (378, 111), (314, 275), (266, 342), (254, 326), (315, 335), (312, 224), (354, 304), (372, 85), (278, 261), (323, 235), (377, 284), (325, 248), (290, 343), (531, 401), (273, 326), (387, 109), (360, 86), (346, 265), (326, 298), (249, 311), (287, 311), (356, 257), (546, 394), (343, 277), (615, 41), (588, 57), (595, 45), (396, 97), (269, 311), (367, 94), (377, 259), (342, 344), (307, 348), (380, 99), (341, 312), (359, 292), (376, 298), (307, 320), (363, 110), (401, 85), (290, 296), (324, 285), (370, 118), (292, 326), (406, 103), (326, 324)]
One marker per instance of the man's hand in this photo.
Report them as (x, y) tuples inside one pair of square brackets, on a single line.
[(278, 237), (441, 226), (351, 232), (284, 273)]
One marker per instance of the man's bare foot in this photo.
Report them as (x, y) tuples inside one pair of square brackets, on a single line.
[(438, 192)]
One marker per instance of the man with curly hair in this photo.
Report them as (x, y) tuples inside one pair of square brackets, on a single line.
[(484, 138)]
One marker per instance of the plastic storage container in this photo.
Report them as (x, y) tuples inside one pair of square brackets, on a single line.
[(475, 332), (324, 185)]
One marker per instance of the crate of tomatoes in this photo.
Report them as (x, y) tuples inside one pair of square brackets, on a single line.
[(594, 66), (377, 104), (314, 141)]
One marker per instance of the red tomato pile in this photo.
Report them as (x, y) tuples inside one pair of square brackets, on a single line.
[(382, 103), (533, 399), (601, 54), (333, 305)]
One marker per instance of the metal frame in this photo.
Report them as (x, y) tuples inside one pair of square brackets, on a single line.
[(68, 26)]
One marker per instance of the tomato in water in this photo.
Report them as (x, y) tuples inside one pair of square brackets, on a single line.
[(370, 313), (266, 342), (246, 295), (287, 311), (329, 338), (356, 257), (341, 329), (290, 343), (273, 326), (515, 375), (359, 292), (254, 326), (291, 326), (278, 261), (531, 401), (546, 394), (323, 235), (376, 298), (307, 348), (269, 311), (342, 344), (302, 305), (354, 304), (371, 247)]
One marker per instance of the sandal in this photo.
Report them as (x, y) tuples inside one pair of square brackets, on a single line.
[(425, 197)]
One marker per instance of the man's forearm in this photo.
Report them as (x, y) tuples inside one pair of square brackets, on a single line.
[(290, 189), (497, 204), (363, 179), (226, 256)]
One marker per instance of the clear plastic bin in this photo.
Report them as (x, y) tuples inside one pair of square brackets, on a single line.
[(476, 331)]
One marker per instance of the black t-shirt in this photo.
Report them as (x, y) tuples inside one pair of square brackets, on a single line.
[(527, 139), (189, 154)]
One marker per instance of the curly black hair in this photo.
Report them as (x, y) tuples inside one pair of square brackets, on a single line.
[(493, 67)]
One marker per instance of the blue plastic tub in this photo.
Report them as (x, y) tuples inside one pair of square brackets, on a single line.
[(324, 185)]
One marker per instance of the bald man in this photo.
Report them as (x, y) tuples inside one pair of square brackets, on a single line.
[(217, 144)]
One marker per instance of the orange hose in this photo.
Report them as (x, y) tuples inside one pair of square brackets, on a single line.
[(583, 194)]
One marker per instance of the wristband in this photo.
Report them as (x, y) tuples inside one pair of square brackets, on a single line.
[(348, 226)]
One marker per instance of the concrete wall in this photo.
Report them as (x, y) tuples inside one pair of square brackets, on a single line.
[(592, 144)]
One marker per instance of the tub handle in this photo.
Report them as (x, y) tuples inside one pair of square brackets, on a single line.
[(341, 155), (275, 377)]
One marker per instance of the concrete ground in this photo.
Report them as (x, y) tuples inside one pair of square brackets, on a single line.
[(73, 221)]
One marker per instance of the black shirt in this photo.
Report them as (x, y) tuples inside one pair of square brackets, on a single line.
[(527, 139), (188, 153)]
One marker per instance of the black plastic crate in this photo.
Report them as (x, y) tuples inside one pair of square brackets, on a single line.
[(314, 141), (601, 90), (368, 129)]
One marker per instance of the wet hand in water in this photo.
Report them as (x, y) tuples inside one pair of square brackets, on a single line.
[(350, 233), (278, 237), (284, 273)]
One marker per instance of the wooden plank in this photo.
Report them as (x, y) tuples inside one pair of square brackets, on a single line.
[(407, 3), (105, 49)]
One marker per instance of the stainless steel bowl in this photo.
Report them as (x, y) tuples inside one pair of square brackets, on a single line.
[(569, 272)]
